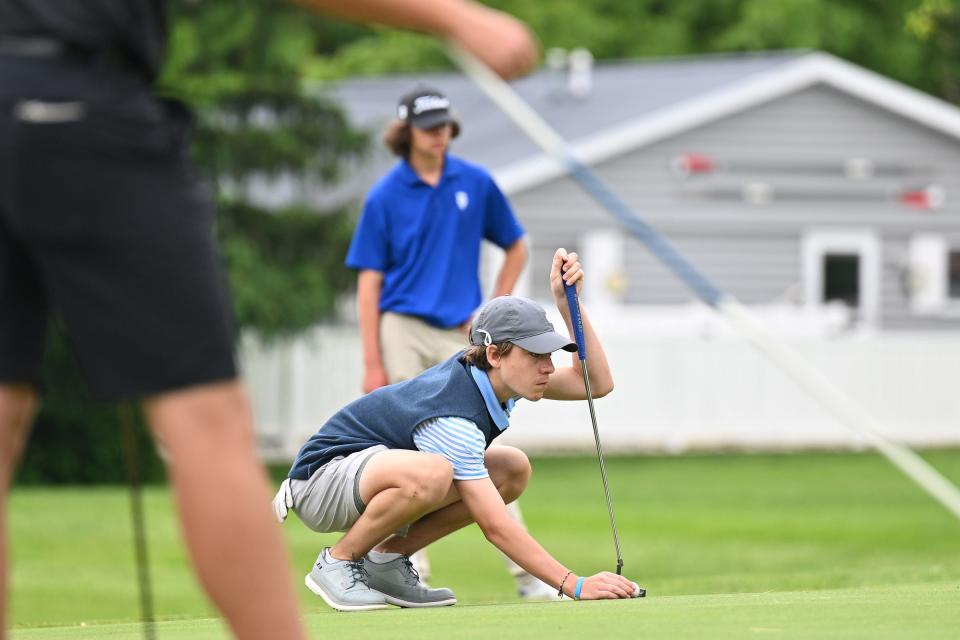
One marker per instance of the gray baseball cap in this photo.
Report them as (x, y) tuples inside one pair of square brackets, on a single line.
[(520, 321)]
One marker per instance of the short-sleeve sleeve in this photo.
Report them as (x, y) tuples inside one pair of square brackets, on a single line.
[(501, 226), (456, 439), (369, 248)]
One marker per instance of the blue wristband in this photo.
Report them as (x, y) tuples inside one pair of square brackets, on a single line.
[(576, 592)]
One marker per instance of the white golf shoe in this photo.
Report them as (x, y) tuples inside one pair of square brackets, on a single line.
[(343, 584)]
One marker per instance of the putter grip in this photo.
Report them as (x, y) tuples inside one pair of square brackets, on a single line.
[(576, 319)]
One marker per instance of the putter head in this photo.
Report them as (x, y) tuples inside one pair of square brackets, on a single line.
[(638, 592)]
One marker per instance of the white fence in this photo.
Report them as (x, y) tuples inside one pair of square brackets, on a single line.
[(682, 383)]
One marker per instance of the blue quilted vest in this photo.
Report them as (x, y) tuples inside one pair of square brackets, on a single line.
[(389, 415)]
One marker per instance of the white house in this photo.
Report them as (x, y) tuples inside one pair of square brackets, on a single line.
[(815, 191)]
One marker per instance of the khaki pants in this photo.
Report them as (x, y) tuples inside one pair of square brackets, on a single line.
[(409, 345)]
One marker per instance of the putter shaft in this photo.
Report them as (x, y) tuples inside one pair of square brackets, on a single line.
[(576, 319), (603, 469)]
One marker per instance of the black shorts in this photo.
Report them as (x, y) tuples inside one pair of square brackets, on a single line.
[(104, 223)]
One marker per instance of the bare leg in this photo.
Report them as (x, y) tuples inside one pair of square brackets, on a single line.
[(18, 404), (510, 472), (224, 503), (398, 487), (421, 562)]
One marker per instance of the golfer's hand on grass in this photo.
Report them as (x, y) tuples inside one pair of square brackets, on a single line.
[(607, 586), (565, 268)]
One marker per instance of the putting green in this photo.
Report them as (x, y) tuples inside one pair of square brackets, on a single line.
[(807, 545), (907, 611)]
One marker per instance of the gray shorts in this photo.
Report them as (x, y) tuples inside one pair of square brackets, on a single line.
[(330, 499)]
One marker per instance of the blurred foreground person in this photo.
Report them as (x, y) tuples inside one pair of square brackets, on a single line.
[(104, 223)]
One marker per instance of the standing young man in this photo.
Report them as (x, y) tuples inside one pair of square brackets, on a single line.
[(417, 250), (103, 222), (413, 462), (417, 245)]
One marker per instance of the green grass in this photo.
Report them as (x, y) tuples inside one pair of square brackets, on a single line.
[(916, 611), (813, 545)]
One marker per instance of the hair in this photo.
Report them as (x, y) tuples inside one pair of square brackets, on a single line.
[(397, 137), (477, 354)]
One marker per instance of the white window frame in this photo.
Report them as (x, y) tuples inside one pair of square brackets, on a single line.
[(818, 243), (604, 251), (928, 279)]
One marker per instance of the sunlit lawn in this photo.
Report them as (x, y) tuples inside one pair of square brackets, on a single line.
[(804, 544)]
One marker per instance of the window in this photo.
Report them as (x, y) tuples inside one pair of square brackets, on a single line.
[(953, 274), (843, 265), (841, 278), (934, 276)]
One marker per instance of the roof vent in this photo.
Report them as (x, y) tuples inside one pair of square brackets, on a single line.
[(556, 64), (580, 79), (556, 59)]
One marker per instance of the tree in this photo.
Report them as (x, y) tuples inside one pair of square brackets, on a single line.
[(936, 23), (241, 66), (870, 33)]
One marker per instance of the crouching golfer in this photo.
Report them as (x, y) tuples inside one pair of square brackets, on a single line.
[(412, 462)]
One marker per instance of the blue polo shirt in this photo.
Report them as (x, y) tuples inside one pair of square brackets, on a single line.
[(426, 240)]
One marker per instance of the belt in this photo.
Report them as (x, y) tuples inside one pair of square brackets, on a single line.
[(35, 47), (47, 48)]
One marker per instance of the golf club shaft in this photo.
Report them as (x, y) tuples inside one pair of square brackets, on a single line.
[(137, 520), (577, 321)]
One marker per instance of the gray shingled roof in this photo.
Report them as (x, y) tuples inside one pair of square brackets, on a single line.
[(622, 91)]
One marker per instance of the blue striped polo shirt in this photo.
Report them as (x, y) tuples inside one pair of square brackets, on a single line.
[(459, 440)]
